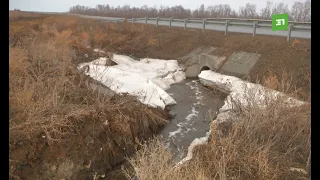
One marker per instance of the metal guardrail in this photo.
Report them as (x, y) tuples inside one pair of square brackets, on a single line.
[(226, 22)]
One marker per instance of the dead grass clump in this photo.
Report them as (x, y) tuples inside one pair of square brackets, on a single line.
[(154, 161), (285, 84), (14, 15), (17, 60), (84, 39), (45, 88), (52, 105), (262, 144), (38, 79), (99, 36)]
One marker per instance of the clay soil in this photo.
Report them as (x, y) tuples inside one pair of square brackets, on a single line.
[(96, 150)]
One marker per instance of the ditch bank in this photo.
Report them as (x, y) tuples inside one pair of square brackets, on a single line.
[(242, 93), (159, 84), (163, 84)]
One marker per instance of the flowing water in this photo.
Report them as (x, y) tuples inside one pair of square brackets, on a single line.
[(196, 106)]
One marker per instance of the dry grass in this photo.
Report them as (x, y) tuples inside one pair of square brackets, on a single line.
[(262, 144), (14, 15), (50, 100), (40, 84), (286, 84), (44, 84), (48, 97)]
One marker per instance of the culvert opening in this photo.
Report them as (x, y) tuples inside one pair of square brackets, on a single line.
[(204, 68), (193, 71)]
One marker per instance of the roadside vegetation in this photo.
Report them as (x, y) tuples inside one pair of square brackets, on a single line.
[(59, 127), (55, 115), (272, 143)]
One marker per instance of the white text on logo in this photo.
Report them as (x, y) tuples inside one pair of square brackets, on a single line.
[(280, 22)]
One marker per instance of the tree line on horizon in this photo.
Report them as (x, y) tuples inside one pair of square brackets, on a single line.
[(300, 11)]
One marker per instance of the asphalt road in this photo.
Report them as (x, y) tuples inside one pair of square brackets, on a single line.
[(306, 34)]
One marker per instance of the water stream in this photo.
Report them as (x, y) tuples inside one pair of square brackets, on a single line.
[(196, 106)]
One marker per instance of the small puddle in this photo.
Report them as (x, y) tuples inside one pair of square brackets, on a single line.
[(195, 108)]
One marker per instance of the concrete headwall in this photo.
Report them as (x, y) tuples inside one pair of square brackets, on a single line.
[(203, 62), (239, 64)]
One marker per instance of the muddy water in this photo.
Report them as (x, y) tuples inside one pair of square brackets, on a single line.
[(195, 108)]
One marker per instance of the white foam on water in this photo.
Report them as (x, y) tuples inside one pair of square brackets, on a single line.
[(173, 133), (193, 113), (194, 86)]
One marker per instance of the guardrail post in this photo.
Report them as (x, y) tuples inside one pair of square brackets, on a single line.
[(133, 20), (227, 24), (290, 28), (117, 24), (157, 21), (204, 25), (146, 21), (170, 19), (185, 24), (254, 29)]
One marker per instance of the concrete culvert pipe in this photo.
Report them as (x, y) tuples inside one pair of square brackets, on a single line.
[(204, 68)]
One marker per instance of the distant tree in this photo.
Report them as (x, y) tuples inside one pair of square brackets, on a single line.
[(266, 13), (248, 11), (299, 12), (221, 10), (280, 8), (296, 13), (234, 14), (201, 13), (307, 11)]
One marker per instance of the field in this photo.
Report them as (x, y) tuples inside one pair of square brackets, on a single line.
[(61, 128)]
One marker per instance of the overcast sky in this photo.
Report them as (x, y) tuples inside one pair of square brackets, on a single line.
[(64, 5)]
